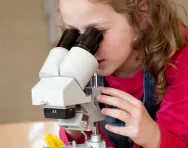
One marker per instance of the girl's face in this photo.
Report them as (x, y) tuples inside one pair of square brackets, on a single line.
[(116, 46)]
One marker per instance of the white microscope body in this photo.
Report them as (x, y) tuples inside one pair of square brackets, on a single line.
[(62, 87)]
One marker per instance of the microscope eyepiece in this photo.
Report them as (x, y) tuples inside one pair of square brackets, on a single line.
[(90, 40), (68, 38)]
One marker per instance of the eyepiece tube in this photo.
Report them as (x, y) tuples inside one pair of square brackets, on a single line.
[(68, 38), (80, 63), (90, 40), (50, 67)]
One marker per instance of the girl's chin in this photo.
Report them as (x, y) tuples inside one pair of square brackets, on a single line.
[(103, 72)]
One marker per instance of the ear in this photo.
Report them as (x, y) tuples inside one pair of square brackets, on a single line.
[(143, 8), (143, 5)]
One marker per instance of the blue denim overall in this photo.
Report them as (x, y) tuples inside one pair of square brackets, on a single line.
[(148, 101)]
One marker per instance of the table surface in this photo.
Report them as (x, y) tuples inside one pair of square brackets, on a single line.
[(26, 135)]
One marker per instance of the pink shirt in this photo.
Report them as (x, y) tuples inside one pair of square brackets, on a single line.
[(172, 117)]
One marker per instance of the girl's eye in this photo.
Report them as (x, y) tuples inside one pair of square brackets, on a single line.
[(103, 30)]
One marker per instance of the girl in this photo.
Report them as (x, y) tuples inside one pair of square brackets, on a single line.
[(144, 60)]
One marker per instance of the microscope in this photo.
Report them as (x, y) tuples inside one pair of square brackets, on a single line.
[(68, 85)]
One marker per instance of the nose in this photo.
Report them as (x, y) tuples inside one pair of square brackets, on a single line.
[(97, 54)]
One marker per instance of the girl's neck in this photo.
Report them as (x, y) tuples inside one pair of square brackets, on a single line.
[(127, 72)]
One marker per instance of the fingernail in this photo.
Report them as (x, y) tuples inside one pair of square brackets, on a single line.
[(103, 89), (103, 110), (98, 97), (107, 126)]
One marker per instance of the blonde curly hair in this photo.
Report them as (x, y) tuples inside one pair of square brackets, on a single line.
[(162, 37)]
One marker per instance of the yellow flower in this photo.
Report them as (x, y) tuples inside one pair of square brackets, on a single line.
[(53, 141)]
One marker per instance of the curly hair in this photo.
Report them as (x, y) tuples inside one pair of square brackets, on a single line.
[(159, 40)]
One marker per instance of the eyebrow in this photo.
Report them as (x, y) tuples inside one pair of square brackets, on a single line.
[(88, 25)]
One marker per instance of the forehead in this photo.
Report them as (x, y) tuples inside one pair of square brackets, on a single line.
[(80, 12)]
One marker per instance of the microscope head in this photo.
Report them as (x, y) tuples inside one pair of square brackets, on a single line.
[(62, 93), (50, 67)]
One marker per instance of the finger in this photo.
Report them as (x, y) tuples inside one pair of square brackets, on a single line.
[(117, 113), (117, 102), (119, 94), (118, 130)]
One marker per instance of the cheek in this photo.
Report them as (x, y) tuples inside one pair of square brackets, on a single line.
[(108, 46), (114, 47)]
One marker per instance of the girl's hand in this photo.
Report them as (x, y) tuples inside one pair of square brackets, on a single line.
[(140, 127)]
